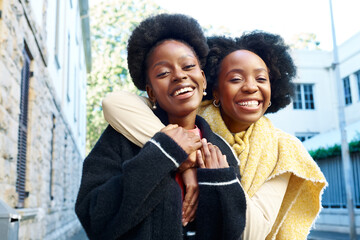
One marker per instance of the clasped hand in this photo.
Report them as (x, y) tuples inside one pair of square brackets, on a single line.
[(201, 154)]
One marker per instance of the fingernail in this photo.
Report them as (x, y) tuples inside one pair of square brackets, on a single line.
[(185, 223)]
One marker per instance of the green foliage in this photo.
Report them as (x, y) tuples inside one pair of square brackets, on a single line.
[(326, 152), (111, 24), (210, 30), (335, 150), (305, 41), (354, 146)]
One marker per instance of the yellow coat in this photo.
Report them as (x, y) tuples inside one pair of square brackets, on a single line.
[(266, 152)]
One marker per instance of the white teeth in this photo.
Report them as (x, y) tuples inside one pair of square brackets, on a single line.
[(249, 103), (183, 90)]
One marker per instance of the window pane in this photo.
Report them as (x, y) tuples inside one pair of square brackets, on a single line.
[(358, 82), (297, 99), (309, 97), (347, 91), (301, 138), (22, 132)]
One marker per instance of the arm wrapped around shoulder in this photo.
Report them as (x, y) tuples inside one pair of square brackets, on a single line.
[(130, 115)]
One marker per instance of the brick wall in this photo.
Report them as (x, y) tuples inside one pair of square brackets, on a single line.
[(43, 217)]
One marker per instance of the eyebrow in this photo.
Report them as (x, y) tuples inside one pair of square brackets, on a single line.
[(159, 63), (241, 70)]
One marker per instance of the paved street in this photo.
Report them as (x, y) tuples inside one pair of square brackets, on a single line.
[(321, 235), (81, 235)]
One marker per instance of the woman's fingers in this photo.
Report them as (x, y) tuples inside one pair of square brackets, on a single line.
[(191, 196), (221, 159), (206, 151), (190, 162), (169, 127), (189, 209), (188, 141), (199, 159), (192, 212), (226, 164), (214, 157)]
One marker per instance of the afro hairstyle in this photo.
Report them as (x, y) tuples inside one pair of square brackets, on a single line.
[(152, 31), (271, 48)]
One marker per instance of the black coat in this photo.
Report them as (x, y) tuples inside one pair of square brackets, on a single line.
[(129, 192)]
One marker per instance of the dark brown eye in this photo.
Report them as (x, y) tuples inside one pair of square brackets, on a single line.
[(235, 79), (189, 66), (162, 74)]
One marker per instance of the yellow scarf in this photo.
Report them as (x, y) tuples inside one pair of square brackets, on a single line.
[(266, 152)]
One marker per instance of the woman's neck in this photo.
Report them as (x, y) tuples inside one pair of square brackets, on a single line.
[(234, 126), (187, 122)]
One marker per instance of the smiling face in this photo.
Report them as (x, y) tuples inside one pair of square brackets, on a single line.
[(243, 89), (176, 81)]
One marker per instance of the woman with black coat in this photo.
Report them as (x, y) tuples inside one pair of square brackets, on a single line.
[(128, 192)]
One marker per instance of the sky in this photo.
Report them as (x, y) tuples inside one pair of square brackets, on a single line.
[(284, 17)]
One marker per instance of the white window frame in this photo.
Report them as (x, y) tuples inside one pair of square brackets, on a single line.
[(303, 103)]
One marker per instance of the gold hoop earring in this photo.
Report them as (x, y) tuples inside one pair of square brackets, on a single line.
[(216, 105), (269, 104)]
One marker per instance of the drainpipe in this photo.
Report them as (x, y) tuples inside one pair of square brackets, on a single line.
[(85, 28), (345, 155)]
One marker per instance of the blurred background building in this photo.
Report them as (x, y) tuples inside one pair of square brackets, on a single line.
[(44, 60), (313, 118)]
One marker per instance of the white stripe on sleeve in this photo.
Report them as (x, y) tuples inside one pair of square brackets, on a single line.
[(165, 153), (220, 183)]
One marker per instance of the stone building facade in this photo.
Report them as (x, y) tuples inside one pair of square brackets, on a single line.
[(44, 60)]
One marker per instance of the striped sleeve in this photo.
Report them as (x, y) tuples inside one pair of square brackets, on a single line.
[(221, 212)]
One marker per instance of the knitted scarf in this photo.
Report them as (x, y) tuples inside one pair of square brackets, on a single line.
[(266, 152)]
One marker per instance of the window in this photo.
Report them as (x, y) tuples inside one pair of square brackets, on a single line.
[(68, 71), (297, 100), (358, 82), (57, 34), (305, 135), (78, 111), (22, 132), (52, 157), (75, 92), (77, 32), (65, 167), (304, 97), (347, 91)]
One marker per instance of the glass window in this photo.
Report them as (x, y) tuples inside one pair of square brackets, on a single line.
[(57, 34), (305, 135), (347, 91), (358, 82), (308, 96), (304, 97), (297, 101), (22, 132)]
